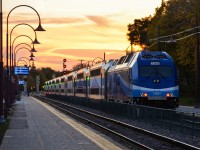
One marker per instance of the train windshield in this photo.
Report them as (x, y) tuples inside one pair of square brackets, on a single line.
[(147, 72)]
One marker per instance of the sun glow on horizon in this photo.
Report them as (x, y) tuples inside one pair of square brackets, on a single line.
[(75, 32)]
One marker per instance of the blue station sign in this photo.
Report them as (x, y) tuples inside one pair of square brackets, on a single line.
[(21, 71)]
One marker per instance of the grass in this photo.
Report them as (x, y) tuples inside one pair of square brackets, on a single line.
[(3, 127), (187, 101)]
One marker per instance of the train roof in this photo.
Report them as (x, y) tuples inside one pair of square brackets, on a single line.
[(83, 70), (156, 55), (73, 73), (128, 61), (98, 65), (122, 63)]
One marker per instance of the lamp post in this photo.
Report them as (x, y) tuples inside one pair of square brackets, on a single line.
[(103, 60), (21, 59), (11, 63), (33, 42), (39, 28), (21, 49), (1, 66), (32, 49), (11, 46), (21, 64)]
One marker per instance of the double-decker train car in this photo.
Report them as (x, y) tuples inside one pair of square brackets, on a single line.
[(80, 86), (96, 78), (143, 77)]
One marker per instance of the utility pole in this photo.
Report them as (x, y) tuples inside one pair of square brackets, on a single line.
[(81, 63), (1, 66), (37, 83), (197, 78)]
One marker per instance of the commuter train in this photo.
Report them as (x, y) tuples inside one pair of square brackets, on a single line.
[(147, 78)]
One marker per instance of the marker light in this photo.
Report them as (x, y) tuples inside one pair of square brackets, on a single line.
[(168, 95)]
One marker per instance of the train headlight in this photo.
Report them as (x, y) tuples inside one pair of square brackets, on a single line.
[(144, 95), (169, 95)]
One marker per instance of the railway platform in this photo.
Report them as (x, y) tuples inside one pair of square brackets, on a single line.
[(35, 125)]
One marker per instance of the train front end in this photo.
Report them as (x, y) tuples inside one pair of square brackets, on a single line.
[(157, 82)]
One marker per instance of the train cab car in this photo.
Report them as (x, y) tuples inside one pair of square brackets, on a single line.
[(80, 82), (70, 83)]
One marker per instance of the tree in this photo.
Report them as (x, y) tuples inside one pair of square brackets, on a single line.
[(45, 75), (137, 32)]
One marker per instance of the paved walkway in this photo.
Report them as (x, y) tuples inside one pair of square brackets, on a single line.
[(37, 126)]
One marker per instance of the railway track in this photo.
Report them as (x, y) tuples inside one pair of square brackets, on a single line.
[(134, 137)]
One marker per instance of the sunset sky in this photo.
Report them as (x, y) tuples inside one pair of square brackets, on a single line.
[(75, 29)]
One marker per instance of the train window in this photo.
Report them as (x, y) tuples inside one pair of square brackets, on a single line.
[(57, 81), (164, 72), (69, 90), (62, 79), (121, 60), (128, 57), (147, 72), (160, 56), (94, 91), (70, 78), (115, 62), (147, 56), (96, 72), (79, 90), (62, 90), (80, 76), (65, 85), (53, 82)]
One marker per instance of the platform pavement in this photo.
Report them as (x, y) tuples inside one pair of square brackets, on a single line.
[(37, 126)]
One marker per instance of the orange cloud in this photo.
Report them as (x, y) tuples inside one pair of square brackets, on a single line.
[(99, 20)]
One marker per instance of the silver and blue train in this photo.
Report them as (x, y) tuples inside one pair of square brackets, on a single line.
[(147, 78)]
